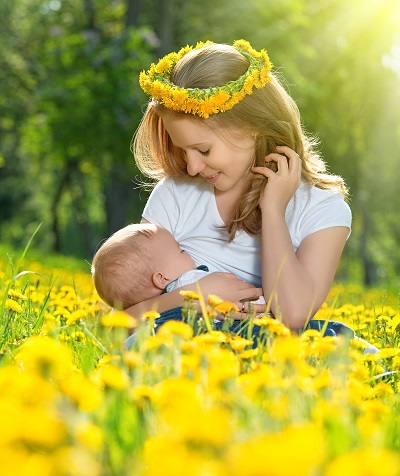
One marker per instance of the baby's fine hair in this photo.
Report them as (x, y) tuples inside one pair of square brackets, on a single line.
[(269, 114), (121, 268)]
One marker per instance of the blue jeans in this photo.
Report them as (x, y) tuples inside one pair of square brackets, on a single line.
[(332, 328)]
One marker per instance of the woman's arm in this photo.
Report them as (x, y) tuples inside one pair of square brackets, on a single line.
[(225, 285), (297, 283)]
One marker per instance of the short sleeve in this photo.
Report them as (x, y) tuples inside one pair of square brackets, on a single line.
[(312, 209), (327, 213)]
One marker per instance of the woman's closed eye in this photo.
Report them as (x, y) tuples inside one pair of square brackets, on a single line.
[(204, 152)]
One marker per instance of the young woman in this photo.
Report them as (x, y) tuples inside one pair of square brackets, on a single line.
[(240, 185)]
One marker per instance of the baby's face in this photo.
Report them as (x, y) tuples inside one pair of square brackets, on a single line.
[(168, 256)]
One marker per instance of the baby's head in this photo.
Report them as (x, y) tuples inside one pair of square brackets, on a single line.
[(136, 263)]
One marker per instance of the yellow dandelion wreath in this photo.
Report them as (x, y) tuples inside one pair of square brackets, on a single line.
[(156, 82)]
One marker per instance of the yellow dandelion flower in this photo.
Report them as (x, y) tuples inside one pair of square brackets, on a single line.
[(383, 390), (388, 353), (396, 361), (374, 408), (85, 393), (107, 359), (176, 328), (213, 337), (369, 358), (156, 342), (45, 356), (360, 462), (89, 435), (220, 98), (279, 329), (41, 428), (119, 319), (114, 377), (132, 359), (37, 297), (248, 354), (140, 393), (226, 307), (68, 289), (211, 426), (270, 451), (288, 349), (322, 380), (243, 44), (150, 315), (169, 103), (13, 306), (75, 316), (311, 334), (71, 460), (189, 294), (324, 346), (206, 108), (164, 455), (263, 321), (239, 343), (180, 96), (158, 88), (191, 106), (213, 300), (163, 66), (14, 294), (61, 311), (175, 391), (248, 84), (190, 362)]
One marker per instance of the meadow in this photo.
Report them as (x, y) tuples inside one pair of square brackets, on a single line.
[(188, 399)]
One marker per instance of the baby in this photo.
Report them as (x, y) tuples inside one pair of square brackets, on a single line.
[(139, 262)]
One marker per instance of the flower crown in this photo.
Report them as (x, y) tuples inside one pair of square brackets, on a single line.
[(156, 82)]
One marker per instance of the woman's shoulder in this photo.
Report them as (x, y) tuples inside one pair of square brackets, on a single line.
[(311, 204), (309, 196)]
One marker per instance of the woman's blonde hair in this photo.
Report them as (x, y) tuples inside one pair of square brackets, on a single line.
[(269, 115)]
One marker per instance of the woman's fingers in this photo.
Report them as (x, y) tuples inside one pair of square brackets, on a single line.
[(248, 309), (288, 174)]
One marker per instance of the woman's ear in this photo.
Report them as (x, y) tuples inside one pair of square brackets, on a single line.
[(159, 280)]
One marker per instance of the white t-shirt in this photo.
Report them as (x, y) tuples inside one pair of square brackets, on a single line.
[(189, 211)]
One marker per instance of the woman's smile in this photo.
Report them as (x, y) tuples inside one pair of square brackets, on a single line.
[(228, 158)]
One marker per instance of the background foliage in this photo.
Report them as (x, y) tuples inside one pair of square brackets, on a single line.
[(70, 103)]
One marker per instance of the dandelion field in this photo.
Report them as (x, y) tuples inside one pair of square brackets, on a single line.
[(190, 400)]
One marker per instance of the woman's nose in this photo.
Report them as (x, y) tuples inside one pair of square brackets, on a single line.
[(195, 163)]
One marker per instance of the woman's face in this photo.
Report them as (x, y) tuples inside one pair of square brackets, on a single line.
[(223, 161)]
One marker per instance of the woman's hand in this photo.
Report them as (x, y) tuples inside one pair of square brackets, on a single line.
[(224, 285), (283, 183), (230, 288)]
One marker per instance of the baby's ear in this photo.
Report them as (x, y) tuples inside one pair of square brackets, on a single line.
[(159, 280)]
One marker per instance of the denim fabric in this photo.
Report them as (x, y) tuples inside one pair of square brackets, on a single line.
[(331, 328)]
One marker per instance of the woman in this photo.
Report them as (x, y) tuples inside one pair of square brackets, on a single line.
[(240, 185)]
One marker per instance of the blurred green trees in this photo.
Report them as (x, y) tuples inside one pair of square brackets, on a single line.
[(70, 103)]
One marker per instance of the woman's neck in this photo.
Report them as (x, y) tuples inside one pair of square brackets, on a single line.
[(227, 203)]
